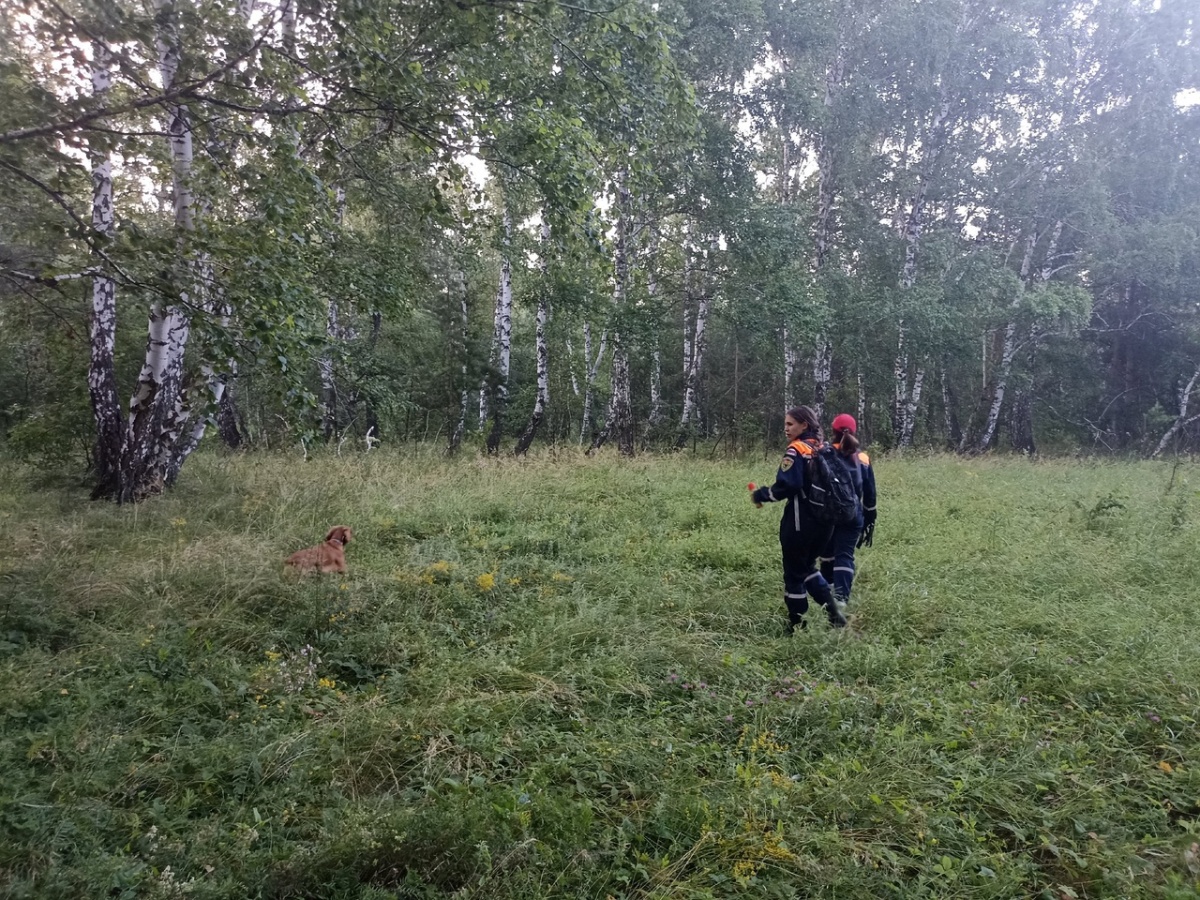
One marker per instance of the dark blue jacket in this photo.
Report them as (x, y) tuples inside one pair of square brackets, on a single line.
[(791, 481)]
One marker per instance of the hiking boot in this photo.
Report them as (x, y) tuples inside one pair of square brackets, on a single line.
[(836, 619)]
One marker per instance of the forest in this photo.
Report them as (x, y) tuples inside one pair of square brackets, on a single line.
[(489, 223)]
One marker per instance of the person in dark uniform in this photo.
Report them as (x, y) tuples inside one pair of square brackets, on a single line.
[(801, 537), (837, 558)]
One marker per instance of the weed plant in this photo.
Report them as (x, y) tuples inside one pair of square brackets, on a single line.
[(569, 677)]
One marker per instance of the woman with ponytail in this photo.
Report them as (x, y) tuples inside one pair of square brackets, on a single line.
[(837, 558)]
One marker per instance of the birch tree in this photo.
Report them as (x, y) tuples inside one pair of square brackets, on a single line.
[(618, 422), (102, 378), (494, 393), (541, 350)]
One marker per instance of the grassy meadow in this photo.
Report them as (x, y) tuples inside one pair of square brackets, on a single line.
[(569, 677)]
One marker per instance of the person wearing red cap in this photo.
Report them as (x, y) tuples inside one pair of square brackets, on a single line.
[(837, 560), (801, 536)]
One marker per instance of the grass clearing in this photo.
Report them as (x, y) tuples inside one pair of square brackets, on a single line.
[(568, 677)]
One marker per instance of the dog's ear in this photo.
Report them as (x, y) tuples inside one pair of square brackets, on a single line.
[(340, 533)]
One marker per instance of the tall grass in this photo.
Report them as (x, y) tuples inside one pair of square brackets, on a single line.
[(569, 677)]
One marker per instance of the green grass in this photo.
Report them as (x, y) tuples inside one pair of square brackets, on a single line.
[(568, 677)]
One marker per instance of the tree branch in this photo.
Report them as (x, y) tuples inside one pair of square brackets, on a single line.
[(78, 123)]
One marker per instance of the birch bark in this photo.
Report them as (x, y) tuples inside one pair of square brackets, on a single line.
[(542, 400), (695, 343), (459, 286), (591, 371), (102, 379), (158, 410), (619, 420), (1183, 419), (503, 355)]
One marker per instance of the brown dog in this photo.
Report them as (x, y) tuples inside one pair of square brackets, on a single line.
[(325, 558)]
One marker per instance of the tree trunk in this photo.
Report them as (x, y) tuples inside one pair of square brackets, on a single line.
[(910, 408), (102, 378), (860, 409), (228, 424), (696, 343), (900, 384), (154, 447), (822, 373), (591, 370), (619, 421), (1004, 369), (502, 351), (542, 401), (689, 303), (657, 413), (1002, 372), (789, 368), (1020, 419), (1182, 420), (329, 410), (333, 336), (571, 367), (459, 283), (950, 414)]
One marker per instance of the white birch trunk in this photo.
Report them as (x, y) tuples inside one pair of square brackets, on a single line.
[(694, 351), (459, 283), (657, 415), (494, 347), (692, 381), (911, 407), (591, 371), (900, 382), (571, 367), (822, 373), (1182, 420), (790, 363), (102, 379), (861, 407), (619, 420), (1004, 369), (157, 411), (542, 400), (503, 357), (689, 328)]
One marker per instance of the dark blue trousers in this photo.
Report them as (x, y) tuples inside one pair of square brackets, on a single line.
[(837, 559), (801, 549)]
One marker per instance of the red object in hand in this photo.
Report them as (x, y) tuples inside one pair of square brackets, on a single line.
[(750, 487)]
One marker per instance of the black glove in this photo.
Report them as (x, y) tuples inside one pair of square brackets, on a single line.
[(867, 536), (759, 496)]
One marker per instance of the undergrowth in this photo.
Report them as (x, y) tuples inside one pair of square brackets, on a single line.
[(569, 677)]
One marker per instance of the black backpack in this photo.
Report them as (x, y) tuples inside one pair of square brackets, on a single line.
[(831, 496)]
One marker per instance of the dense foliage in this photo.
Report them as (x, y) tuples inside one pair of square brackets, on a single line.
[(972, 224)]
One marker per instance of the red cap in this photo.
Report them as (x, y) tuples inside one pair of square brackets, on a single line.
[(844, 422)]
